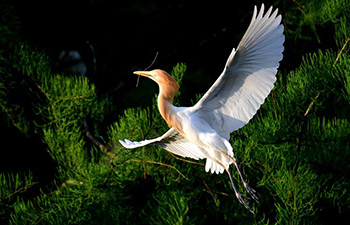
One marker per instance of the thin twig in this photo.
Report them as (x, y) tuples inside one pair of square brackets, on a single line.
[(225, 194), (143, 155), (71, 182), (109, 174), (300, 132), (311, 104), (267, 169), (144, 164), (161, 164), (300, 7), (10, 116), (341, 51), (95, 141), (154, 60), (210, 192), (313, 27), (51, 105), (20, 190), (185, 160), (75, 97), (64, 185), (64, 98), (274, 104)]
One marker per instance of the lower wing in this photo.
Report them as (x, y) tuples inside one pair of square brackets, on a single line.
[(173, 142)]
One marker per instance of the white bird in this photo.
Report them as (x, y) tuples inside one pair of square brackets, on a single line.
[(203, 130)]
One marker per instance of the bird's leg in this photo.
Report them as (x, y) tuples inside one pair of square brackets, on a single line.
[(239, 196), (250, 190)]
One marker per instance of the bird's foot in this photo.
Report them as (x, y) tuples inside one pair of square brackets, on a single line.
[(251, 192), (241, 198)]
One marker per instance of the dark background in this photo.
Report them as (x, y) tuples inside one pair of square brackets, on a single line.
[(126, 35)]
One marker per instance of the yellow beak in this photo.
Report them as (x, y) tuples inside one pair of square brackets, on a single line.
[(143, 73)]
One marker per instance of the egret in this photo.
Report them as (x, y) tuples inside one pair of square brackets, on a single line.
[(203, 130)]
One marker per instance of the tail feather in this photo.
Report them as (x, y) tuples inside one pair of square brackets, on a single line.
[(213, 167)]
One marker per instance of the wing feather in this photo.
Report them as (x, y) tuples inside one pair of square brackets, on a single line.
[(248, 76), (173, 142)]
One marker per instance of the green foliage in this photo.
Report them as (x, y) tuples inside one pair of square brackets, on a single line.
[(12, 186), (170, 207), (295, 151), (178, 72)]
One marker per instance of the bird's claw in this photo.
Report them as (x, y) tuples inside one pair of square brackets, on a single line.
[(251, 192), (241, 198)]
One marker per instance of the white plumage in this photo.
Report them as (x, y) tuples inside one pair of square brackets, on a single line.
[(229, 104)]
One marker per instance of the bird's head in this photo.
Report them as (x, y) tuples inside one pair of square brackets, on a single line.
[(165, 81)]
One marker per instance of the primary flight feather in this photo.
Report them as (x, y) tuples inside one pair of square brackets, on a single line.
[(203, 130)]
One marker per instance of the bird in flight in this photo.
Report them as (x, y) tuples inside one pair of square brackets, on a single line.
[(203, 130)]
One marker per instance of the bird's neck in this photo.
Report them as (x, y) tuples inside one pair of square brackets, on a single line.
[(167, 109)]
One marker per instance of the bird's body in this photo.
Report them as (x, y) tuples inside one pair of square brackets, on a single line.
[(203, 130)]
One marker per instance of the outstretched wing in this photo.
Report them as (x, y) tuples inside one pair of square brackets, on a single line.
[(248, 77), (173, 142)]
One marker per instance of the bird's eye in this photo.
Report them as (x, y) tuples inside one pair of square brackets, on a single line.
[(154, 75)]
